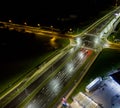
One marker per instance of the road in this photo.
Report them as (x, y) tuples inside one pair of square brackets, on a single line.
[(35, 84), (52, 84), (50, 74), (36, 30), (57, 84)]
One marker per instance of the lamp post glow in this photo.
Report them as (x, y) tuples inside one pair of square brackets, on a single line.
[(38, 25), (70, 29), (10, 21), (51, 28), (25, 23)]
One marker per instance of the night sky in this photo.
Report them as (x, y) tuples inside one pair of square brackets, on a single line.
[(48, 11), (53, 7)]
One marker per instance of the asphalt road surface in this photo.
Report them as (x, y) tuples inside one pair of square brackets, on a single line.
[(31, 87), (45, 97)]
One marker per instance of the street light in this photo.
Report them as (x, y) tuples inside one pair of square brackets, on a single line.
[(10, 21), (70, 29), (25, 23), (38, 25), (51, 28), (116, 1)]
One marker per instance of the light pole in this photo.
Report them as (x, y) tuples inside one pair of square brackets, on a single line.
[(10, 21), (51, 28), (25, 23), (116, 1), (38, 25)]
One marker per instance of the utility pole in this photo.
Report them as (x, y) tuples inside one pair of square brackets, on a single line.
[(116, 1)]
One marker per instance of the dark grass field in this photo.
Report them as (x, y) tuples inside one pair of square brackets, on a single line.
[(22, 52)]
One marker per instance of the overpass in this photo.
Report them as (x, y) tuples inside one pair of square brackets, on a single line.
[(48, 31), (110, 26), (102, 28)]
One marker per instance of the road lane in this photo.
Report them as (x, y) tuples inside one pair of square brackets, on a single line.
[(37, 82), (56, 85)]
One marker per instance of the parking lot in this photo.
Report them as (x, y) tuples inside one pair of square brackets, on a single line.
[(107, 95)]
